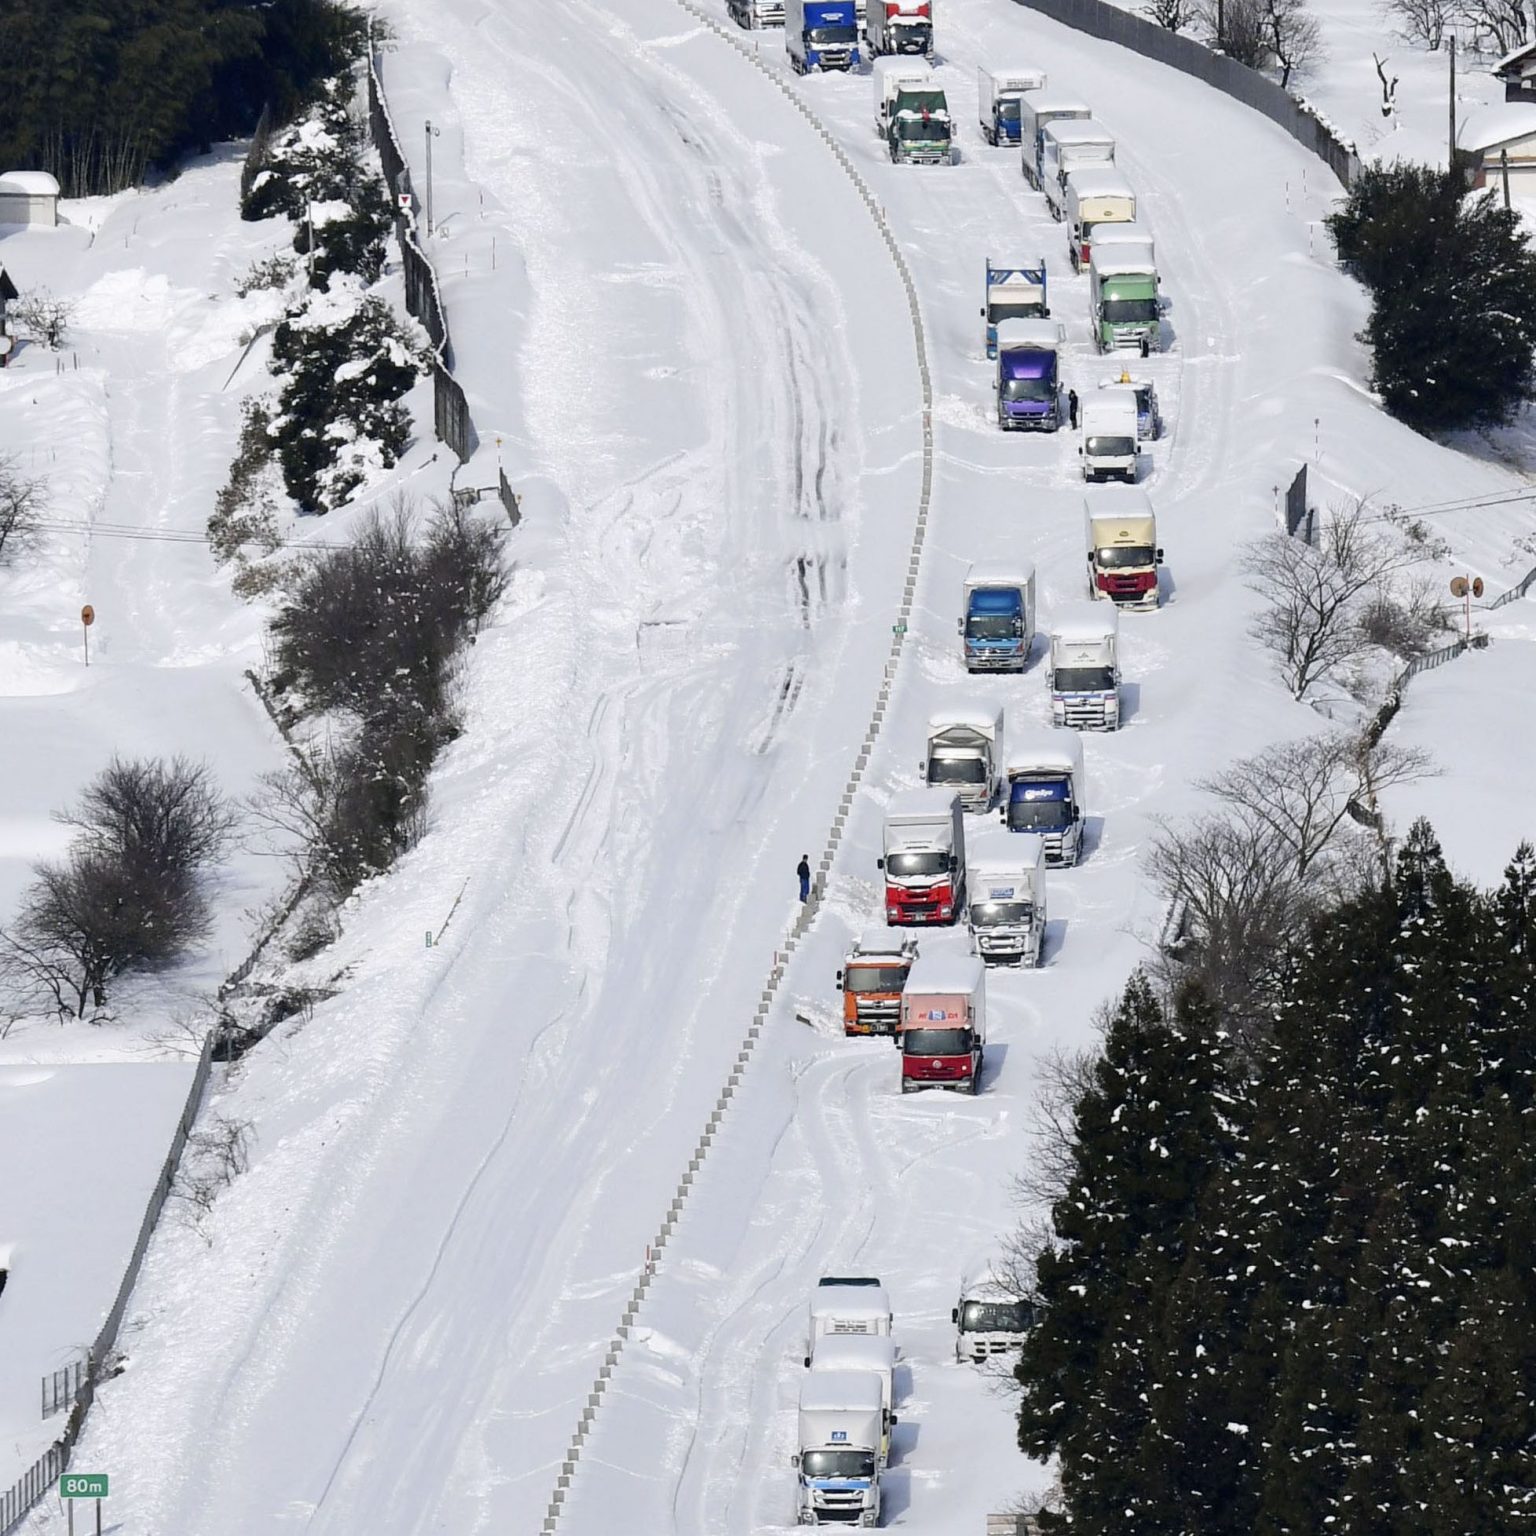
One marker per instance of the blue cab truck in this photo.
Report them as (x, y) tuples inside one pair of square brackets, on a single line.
[(997, 620), (1028, 384), (821, 34)]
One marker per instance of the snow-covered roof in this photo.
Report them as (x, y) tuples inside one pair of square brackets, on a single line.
[(999, 573), (1054, 101), (986, 718), (1113, 408), (1524, 51), (28, 184), (1123, 261), (1028, 333), (833, 1300), (855, 1352), (1085, 620), (920, 804), (943, 973), (883, 941), (1079, 130), (1099, 181), (1132, 234), (1004, 853), (1045, 746), (1118, 500), (1502, 123), (827, 1391)]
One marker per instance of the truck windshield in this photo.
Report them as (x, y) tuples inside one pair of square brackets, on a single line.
[(956, 770), (1102, 447), (1125, 558), (1083, 680), (994, 626), (1032, 815), (906, 864), (921, 101), (924, 130), (1015, 311), (1008, 109), (996, 1317), (875, 978), (1128, 311), (936, 1042), (838, 1464), (1001, 914), (821, 37), (1029, 389)]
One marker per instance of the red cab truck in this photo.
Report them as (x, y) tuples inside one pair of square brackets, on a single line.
[(943, 1032), (924, 858)]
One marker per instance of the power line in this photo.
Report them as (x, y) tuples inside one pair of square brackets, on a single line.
[(160, 535)]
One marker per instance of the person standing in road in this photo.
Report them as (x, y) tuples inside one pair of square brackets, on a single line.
[(803, 869), (1072, 407)]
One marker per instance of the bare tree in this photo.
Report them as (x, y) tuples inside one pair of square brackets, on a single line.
[(1312, 595), (1419, 21), (1300, 793), (46, 318), (1498, 26), (1062, 1077), (1175, 15), (1293, 37), (21, 512), (1237, 29)]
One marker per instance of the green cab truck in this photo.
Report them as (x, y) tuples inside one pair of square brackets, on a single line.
[(1123, 300)]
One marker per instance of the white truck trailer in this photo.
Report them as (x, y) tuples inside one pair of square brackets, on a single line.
[(841, 1430), (965, 745), (1123, 557), (1067, 146), (1005, 896), (1084, 676), (1038, 109), (1097, 196), (843, 1304), (871, 1352), (998, 92), (1110, 446)]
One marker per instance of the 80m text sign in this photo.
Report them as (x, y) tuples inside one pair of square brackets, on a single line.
[(83, 1485)]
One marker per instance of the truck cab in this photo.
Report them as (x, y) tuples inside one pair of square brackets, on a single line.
[(998, 92), (1005, 898), (841, 1427), (1014, 293), (918, 128), (944, 1023), (924, 857), (821, 34), (1067, 145), (874, 972), (900, 27), (1084, 676), (964, 752), (752, 14), (997, 622), (1047, 791), (1123, 556), (1124, 306), (1037, 110), (1027, 381), (1110, 448), (1097, 196), (990, 1318)]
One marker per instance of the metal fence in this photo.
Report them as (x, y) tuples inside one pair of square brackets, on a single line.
[(510, 501), (1516, 592), (1100, 19), (59, 1387), (808, 912), (423, 296), (1297, 514), (39, 1478)]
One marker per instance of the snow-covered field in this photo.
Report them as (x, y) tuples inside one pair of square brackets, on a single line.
[(672, 307)]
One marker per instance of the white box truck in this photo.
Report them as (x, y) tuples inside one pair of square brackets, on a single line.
[(965, 745), (924, 857), (1110, 447), (1123, 556), (891, 78), (943, 1032), (991, 1317), (1084, 676), (1097, 196), (1005, 898), (841, 1428), (847, 1304), (998, 91), (1070, 145), (899, 26), (1037, 109), (1047, 790), (871, 1352)]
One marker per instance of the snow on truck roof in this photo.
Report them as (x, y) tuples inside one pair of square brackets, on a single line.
[(828, 1391), (1046, 747), (1055, 101), (985, 718), (1099, 181), (1078, 130), (1043, 334), (883, 941), (940, 973), (1118, 500), (996, 574), (855, 1352), (831, 1299), (1086, 620), (920, 804), (1110, 407), (1004, 852), (1123, 261)]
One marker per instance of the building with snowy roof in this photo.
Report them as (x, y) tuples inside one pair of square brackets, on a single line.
[(1499, 135), (29, 197)]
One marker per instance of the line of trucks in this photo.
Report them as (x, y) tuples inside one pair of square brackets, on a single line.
[(848, 1394)]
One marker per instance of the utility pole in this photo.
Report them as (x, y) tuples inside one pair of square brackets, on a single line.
[(1504, 172), (1451, 163), (432, 133)]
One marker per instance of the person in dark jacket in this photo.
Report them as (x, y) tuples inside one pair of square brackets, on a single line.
[(803, 869), (1072, 408)]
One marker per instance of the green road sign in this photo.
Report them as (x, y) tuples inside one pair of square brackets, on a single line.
[(83, 1485)]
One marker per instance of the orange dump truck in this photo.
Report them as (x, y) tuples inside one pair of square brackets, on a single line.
[(872, 977)]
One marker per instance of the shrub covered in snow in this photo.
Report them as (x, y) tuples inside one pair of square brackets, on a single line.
[(347, 360)]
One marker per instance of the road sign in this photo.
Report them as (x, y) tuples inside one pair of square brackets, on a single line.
[(83, 1485), (87, 615)]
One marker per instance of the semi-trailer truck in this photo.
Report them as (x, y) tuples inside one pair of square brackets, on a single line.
[(869, 1353), (1027, 380), (1005, 898), (924, 857), (998, 91), (873, 975), (841, 1429), (944, 1023), (997, 617), (821, 34), (1014, 293), (1047, 791), (1123, 556), (965, 745), (1084, 677), (847, 1304)]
